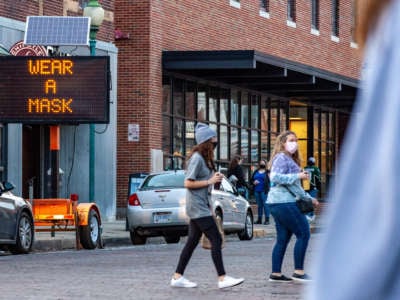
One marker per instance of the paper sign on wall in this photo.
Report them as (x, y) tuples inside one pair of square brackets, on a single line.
[(133, 132)]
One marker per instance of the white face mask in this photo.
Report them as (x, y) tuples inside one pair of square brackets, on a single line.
[(291, 147)]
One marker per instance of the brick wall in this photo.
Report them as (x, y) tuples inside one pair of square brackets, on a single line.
[(215, 25), (159, 25), (139, 87)]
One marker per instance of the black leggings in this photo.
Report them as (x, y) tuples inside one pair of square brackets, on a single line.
[(196, 228)]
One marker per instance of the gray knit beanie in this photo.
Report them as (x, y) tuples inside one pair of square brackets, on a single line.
[(203, 133)]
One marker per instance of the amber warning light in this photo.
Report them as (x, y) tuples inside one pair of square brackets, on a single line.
[(54, 90)]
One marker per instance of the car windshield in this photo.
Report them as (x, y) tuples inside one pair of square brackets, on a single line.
[(167, 180)]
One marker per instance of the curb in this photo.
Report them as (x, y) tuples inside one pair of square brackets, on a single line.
[(67, 242)]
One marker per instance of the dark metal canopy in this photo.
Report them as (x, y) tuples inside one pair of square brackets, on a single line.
[(267, 74)]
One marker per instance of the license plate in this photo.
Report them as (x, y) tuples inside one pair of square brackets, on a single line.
[(164, 217)]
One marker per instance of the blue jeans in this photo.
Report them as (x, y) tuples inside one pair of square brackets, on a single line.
[(289, 220), (261, 197)]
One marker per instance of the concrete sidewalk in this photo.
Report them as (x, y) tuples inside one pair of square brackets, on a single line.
[(114, 234)]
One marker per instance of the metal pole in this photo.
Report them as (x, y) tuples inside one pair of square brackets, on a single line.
[(92, 44)]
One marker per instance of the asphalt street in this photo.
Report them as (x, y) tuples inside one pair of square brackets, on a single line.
[(144, 272)]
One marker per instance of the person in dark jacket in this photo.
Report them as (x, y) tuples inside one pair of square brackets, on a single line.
[(260, 181), (235, 169)]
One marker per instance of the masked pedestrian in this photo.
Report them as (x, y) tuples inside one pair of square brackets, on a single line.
[(286, 176)]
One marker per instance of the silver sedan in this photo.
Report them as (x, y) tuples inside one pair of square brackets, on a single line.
[(16, 221), (157, 208)]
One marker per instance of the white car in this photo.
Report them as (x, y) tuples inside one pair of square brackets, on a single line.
[(157, 208), (16, 222)]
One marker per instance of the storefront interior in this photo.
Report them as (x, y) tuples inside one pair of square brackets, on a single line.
[(249, 98)]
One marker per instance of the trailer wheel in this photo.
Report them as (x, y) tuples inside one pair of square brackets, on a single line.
[(90, 234)]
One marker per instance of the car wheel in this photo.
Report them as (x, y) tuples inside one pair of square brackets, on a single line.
[(25, 233), (172, 239), (90, 234), (247, 233), (137, 239)]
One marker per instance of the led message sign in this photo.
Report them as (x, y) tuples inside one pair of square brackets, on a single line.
[(54, 90)]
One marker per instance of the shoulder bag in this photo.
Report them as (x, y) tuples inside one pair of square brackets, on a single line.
[(305, 206), (205, 242)]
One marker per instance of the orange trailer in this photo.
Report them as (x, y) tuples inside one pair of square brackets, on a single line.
[(59, 214)]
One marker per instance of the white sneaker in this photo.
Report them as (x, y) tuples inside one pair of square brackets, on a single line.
[(182, 282), (229, 281)]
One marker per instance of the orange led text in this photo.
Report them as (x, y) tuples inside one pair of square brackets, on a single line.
[(45, 105), (50, 66)]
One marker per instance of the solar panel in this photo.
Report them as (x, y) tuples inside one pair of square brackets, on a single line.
[(57, 31)]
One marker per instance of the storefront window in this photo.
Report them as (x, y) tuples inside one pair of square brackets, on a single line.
[(201, 103), (166, 105), (265, 151), (234, 108), (331, 133), (254, 112), (247, 124), (273, 140), (179, 103), (283, 119), (213, 105), (178, 137), (234, 141), (245, 110), (224, 107), (190, 100), (254, 146), (223, 142), (190, 141), (275, 115), (316, 125), (245, 144), (323, 159), (323, 127)]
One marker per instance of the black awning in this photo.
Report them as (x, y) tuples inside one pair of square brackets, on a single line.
[(265, 73)]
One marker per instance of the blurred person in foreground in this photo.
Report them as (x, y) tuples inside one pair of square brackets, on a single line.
[(285, 177), (200, 176), (359, 255)]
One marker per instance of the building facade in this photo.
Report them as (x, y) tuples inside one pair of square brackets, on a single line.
[(249, 68)]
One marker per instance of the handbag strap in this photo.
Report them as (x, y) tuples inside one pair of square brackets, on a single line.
[(293, 194)]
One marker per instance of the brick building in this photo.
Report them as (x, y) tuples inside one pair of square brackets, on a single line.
[(250, 68)]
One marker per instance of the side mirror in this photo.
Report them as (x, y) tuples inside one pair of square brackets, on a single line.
[(233, 179)]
